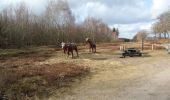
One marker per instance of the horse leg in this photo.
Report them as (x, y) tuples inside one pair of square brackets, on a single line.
[(92, 49), (95, 50), (89, 49), (68, 53), (72, 53), (77, 52)]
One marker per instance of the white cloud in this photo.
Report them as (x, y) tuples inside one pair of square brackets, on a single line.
[(129, 30), (35, 5), (112, 11), (159, 6)]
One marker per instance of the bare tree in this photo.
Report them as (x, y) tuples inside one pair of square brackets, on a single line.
[(162, 27), (97, 30), (141, 36)]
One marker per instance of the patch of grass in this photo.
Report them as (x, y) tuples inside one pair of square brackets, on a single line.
[(26, 51), (14, 52), (146, 55), (38, 80)]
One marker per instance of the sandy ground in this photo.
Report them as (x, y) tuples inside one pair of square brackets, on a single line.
[(115, 78)]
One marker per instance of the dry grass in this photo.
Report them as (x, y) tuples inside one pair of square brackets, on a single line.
[(38, 80), (21, 77), (40, 71)]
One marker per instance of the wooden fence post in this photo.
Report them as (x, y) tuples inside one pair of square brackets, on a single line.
[(152, 47)]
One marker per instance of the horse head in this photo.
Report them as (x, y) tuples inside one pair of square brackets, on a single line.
[(87, 40), (63, 44)]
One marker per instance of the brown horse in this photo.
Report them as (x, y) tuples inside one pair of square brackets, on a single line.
[(92, 45), (69, 47)]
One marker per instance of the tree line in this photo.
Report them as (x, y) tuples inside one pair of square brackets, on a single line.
[(161, 28), (21, 27)]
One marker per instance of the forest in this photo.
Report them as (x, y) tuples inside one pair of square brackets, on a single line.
[(21, 27)]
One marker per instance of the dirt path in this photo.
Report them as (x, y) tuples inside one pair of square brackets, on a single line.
[(156, 87), (145, 78)]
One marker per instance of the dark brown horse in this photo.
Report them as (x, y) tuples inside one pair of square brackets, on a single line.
[(92, 45), (69, 47)]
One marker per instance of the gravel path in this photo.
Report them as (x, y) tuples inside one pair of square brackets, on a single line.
[(145, 78)]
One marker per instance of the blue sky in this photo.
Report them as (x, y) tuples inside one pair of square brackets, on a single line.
[(129, 16)]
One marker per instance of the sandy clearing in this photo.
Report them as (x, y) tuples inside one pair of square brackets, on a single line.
[(153, 87), (123, 79)]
